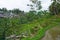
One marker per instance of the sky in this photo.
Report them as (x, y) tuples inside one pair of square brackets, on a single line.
[(22, 4)]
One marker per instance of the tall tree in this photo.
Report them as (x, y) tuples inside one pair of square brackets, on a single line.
[(4, 10), (36, 5), (54, 7), (16, 11)]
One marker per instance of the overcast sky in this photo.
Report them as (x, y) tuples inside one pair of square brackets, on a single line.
[(22, 4)]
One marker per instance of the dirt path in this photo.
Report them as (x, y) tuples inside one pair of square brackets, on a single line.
[(52, 34), (47, 36)]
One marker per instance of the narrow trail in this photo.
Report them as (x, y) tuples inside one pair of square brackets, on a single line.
[(47, 36), (52, 34)]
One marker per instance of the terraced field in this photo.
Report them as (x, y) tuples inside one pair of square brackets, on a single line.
[(34, 30), (49, 23)]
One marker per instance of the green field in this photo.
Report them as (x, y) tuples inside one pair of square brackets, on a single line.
[(34, 30)]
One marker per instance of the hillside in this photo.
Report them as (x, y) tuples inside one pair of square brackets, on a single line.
[(30, 20), (34, 30), (46, 23)]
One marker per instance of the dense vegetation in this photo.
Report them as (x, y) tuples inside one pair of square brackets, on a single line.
[(30, 25)]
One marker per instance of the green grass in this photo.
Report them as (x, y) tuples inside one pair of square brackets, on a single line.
[(50, 23), (43, 24)]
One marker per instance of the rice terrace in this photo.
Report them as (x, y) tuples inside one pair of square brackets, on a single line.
[(30, 20)]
